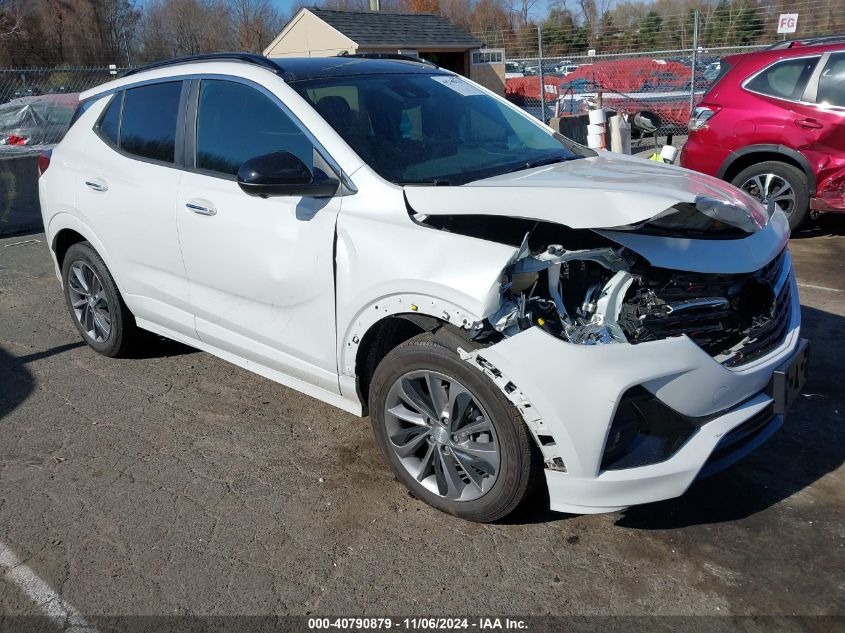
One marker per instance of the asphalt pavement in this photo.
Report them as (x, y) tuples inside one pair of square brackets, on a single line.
[(175, 483)]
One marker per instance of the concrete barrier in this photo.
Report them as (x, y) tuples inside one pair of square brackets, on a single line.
[(19, 209), (573, 126)]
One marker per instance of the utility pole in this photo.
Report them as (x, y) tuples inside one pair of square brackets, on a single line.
[(126, 46), (694, 61), (542, 80)]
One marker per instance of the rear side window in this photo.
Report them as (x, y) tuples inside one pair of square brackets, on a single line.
[(831, 90), (109, 124), (148, 127), (236, 123), (785, 79)]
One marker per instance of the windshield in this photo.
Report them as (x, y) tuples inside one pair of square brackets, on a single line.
[(435, 129)]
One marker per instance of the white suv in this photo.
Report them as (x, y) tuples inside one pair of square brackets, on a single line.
[(509, 307)]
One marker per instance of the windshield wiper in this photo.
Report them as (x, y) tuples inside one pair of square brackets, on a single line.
[(548, 160), (437, 182)]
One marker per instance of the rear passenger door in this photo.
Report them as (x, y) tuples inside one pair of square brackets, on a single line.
[(821, 113), (126, 191), (261, 270)]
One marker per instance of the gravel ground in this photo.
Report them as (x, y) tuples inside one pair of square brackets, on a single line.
[(175, 483)]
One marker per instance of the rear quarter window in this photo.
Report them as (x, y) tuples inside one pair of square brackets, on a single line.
[(109, 123)]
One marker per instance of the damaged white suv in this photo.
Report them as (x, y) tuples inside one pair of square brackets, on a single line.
[(509, 307)]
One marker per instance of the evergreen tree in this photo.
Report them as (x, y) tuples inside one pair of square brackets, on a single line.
[(650, 28)]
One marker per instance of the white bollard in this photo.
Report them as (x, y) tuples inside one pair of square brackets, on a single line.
[(596, 129), (668, 153), (620, 134)]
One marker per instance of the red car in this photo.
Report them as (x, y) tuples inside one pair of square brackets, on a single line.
[(773, 124)]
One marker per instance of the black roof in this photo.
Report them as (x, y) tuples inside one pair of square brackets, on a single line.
[(400, 30), (301, 68)]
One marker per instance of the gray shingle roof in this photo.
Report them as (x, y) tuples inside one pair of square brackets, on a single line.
[(403, 30)]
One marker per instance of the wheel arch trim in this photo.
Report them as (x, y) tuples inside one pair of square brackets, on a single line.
[(788, 152), (406, 305), (67, 221)]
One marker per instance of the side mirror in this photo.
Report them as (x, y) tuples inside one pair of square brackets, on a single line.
[(283, 174)]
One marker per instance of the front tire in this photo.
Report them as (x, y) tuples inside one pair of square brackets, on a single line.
[(95, 304), (449, 434), (781, 182)]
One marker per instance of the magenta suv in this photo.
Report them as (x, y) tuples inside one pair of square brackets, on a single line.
[(773, 124)]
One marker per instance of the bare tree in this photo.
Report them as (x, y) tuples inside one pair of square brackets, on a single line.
[(254, 24), (11, 19), (522, 10), (184, 27), (589, 13)]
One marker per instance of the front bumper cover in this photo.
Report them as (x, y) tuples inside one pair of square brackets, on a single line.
[(574, 390)]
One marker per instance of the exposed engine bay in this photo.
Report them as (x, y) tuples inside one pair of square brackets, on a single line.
[(588, 290)]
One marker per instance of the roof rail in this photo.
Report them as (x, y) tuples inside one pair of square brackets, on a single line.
[(397, 56), (248, 58), (808, 41)]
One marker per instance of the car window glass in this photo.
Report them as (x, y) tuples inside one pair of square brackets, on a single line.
[(110, 119), (785, 79), (831, 89), (236, 123), (422, 129), (148, 127)]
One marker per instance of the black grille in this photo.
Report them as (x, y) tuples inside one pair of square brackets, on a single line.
[(709, 309)]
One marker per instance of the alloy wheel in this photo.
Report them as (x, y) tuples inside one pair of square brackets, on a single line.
[(442, 436), (89, 301), (767, 187)]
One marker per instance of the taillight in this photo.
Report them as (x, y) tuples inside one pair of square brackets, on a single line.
[(14, 139), (44, 162), (701, 115)]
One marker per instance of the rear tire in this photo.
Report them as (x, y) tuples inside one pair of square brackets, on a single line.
[(762, 180), (95, 304), (488, 488)]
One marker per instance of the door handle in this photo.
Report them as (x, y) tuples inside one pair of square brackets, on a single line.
[(810, 124), (201, 209), (96, 184)]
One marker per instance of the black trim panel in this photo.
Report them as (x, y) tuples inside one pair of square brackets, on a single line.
[(776, 149)]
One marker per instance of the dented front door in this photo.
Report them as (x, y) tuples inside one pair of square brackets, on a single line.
[(261, 276)]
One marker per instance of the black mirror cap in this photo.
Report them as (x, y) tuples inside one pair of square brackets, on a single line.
[(283, 174)]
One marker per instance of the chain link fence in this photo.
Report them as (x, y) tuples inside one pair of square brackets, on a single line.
[(36, 104), (659, 85), (644, 59)]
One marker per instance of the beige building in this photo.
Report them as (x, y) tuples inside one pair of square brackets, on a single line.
[(316, 32)]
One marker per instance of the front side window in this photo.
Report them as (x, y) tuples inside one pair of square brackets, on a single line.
[(440, 129), (785, 80), (831, 90), (236, 122), (148, 127)]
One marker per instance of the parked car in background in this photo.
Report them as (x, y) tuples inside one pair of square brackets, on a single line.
[(656, 89), (513, 70), (773, 124), (509, 307), (39, 120)]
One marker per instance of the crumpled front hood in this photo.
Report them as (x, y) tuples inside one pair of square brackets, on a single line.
[(604, 191)]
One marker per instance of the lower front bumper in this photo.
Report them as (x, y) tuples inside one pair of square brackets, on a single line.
[(699, 457)]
